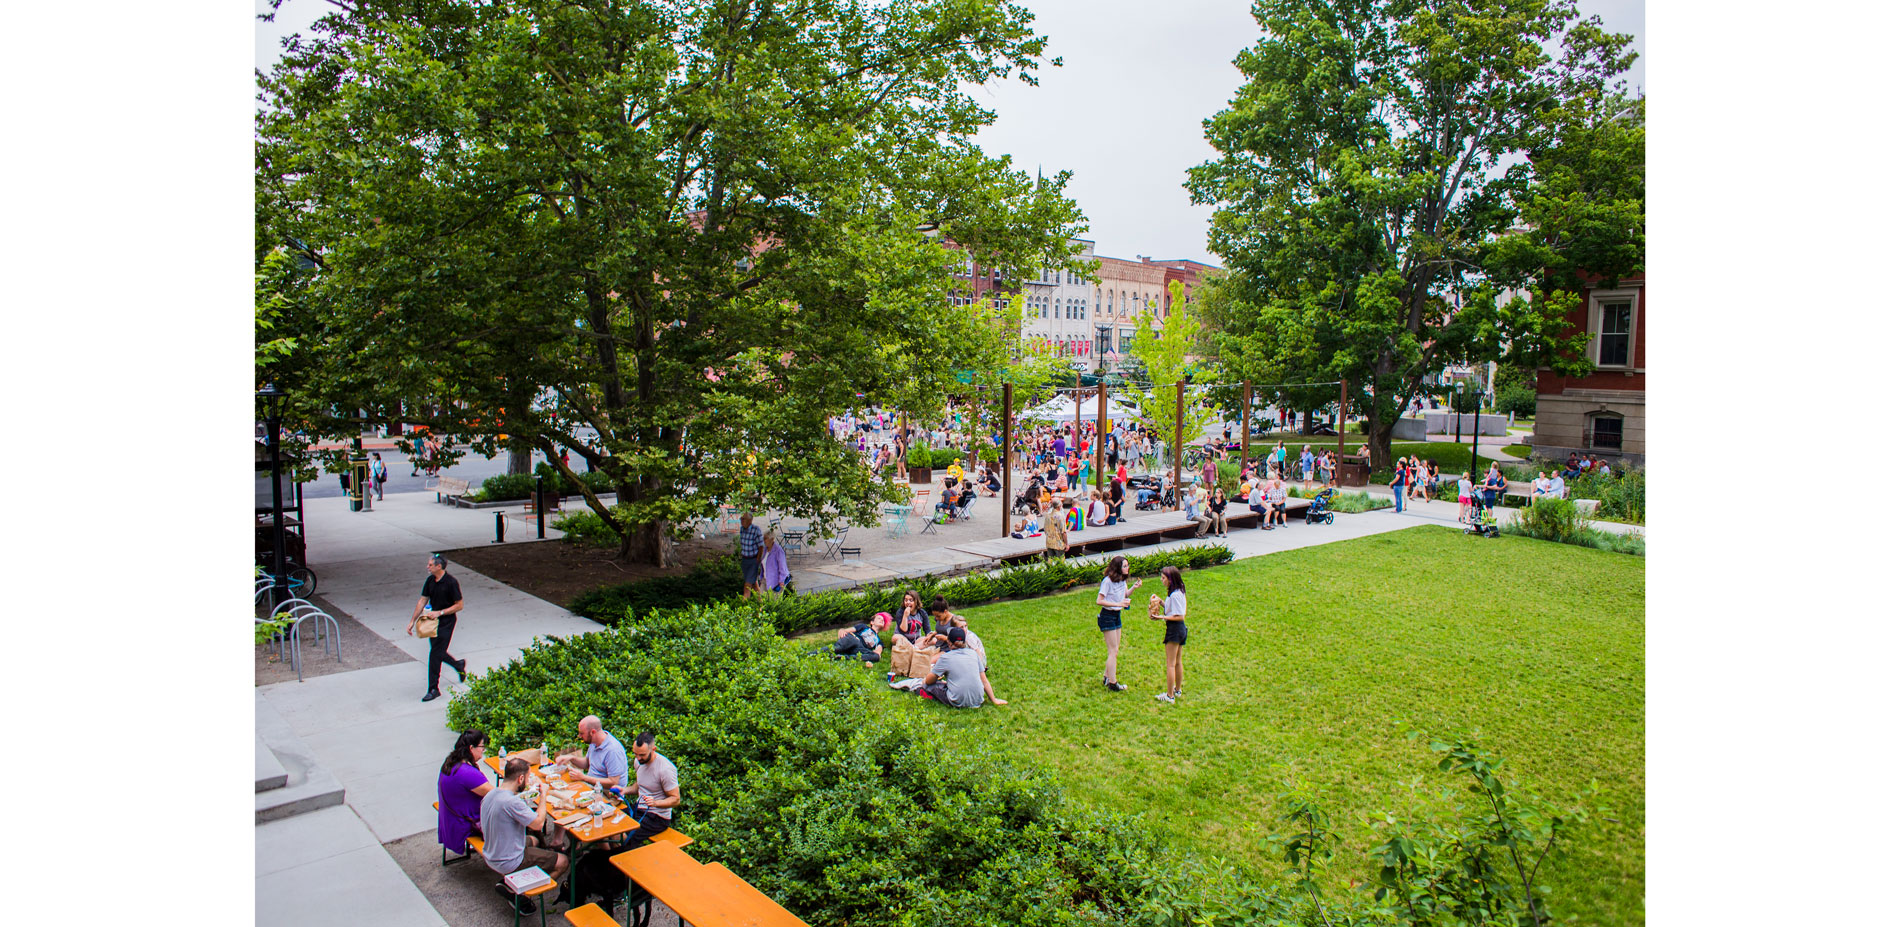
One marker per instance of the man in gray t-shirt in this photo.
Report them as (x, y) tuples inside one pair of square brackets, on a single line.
[(956, 679), (656, 787), (506, 824)]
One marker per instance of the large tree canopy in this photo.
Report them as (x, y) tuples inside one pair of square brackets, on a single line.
[(1404, 184), (669, 236)]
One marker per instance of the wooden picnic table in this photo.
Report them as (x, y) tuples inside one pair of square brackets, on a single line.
[(582, 834), (706, 895)]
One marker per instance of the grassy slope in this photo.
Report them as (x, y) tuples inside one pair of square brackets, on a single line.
[(1300, 664)]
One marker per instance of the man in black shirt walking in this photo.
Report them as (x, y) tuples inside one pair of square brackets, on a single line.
[(442, 599)]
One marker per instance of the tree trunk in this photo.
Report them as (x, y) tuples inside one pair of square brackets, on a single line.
[(648, 543), (520, 462)]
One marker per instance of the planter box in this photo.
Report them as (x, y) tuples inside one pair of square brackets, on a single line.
[(921, 475)]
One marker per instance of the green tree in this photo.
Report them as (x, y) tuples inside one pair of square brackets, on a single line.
[(1379, 172), (668, 236), (1164, 354)]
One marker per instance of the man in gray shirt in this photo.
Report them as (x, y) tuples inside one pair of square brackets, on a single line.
[(511, 832), (956, 679), (606, 760), (657, 791)]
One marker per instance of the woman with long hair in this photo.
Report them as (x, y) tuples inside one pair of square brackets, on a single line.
[(1174, 615), (1112, 597), (912, 620), (459, 790)]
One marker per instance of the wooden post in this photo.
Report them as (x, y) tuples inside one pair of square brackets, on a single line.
[(1008, 443), (1341, 429), (1078, 409), (1180, 397), (1101, 429), (1246, 419)]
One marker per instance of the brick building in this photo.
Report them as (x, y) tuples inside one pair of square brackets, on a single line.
[(1601, 413)]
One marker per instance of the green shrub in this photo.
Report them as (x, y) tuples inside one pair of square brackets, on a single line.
[(918, 455), (1620, 495), (1518, 400), (507, 487), (1552, 520), (712, 578), (789, 615), (583, 527), (988, 454)]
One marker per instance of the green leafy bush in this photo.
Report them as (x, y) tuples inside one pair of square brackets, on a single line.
[(1552, 520), (1518, 400), (918, 455), (1349, 503), (583, 527), (1621, 496), (711, 579), (794, 614), (506, 487), (988, 454)]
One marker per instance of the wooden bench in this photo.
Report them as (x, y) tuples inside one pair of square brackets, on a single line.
[(446, 488)]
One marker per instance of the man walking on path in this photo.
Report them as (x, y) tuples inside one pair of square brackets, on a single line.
[(751, 542), (441, 600)]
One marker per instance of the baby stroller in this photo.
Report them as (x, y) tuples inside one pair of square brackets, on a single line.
[(1483, 521), (1148, 494), (1025, 503), (1320, 511)]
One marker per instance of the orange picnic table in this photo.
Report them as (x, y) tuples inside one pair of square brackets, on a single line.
[(584, 832), (707, 895)]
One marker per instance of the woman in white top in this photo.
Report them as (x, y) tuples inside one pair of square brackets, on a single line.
[(1098, 510), (1112, 597), (1464, 496), (1174, 615)]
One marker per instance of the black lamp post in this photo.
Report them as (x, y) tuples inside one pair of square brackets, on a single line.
[(273, 407), (1457, 414), (1477, 400)]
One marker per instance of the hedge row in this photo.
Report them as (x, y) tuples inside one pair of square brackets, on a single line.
[(718, 578), (802, 780), (504, 487)]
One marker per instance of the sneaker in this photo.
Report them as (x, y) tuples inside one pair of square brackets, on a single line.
[(1165, 697)]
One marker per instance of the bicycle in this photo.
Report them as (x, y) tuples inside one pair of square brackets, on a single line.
[(301, 580)]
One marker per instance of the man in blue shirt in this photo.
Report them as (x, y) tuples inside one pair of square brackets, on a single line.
[(751, 542), (606, 760)]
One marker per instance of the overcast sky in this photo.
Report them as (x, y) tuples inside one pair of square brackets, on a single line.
[(1123, 112)]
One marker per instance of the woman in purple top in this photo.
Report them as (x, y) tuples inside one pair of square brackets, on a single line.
[(459, 792)]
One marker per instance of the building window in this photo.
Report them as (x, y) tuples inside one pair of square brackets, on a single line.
[(1613, 326), (1606, 431)]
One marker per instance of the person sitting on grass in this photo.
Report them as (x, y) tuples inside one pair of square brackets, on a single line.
[(976, 645), (956, 679), (863, 640)]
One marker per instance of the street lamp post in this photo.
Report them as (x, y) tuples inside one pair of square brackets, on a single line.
[(273, 404), (1457, 414)]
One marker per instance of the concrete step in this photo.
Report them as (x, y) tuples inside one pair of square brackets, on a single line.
[(270, 773), (306, 786)]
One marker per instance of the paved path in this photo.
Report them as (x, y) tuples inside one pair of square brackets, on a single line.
[(369, 728)]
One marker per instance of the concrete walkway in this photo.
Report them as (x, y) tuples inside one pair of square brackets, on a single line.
[(368, 728)]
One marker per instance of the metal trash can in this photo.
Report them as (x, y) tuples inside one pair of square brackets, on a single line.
[(1354, 471)]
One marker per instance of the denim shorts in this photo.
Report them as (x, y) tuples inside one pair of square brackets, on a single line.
[(1109, 620), (1176, 633)]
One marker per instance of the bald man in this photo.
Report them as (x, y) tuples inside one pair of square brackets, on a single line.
[(604, 763)]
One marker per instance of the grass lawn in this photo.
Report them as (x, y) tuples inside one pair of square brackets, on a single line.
[(1303, 665), (1520, 451)]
